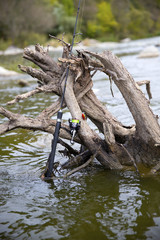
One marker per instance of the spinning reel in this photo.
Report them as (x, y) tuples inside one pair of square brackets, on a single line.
[(74, 125)]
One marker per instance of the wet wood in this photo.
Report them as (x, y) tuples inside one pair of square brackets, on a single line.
[(118, 145)]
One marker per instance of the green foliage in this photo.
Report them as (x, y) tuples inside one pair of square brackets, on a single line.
[(4, 44), (140, 23), (30, 38), (124, 18), (100, 19), (105, 22), (11, 62), (120, 10), (68, 6), (158, 3), (64, 22), (91, 29), (49, 2), (105, 18), (157, 26), (16, 19)]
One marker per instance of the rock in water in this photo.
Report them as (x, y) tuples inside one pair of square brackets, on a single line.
[(149, 52), (22, 83)]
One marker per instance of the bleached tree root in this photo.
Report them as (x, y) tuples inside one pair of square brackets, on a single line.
[(120, 145)]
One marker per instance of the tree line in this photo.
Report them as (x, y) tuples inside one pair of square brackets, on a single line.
[(26, 22)]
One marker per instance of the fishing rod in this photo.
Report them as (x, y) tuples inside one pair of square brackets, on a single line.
[(49, 172)]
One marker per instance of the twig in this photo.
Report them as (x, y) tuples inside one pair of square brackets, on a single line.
[(24, 96), (77, 160), (70, 149), (147, 82), (51, 110), (82, 166), (110, 79), (8, 114), (132, 159), (95, 71), (45, 88), (60, 40)]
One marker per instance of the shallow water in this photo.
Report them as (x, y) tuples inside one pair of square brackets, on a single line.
[(92, 204)]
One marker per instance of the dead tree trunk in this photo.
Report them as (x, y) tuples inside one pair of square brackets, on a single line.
[(121, 146)]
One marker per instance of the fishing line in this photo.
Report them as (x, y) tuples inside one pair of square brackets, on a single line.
[(80, 22)]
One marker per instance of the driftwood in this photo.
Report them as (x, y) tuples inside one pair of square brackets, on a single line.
[(81, 166), (120, 146)]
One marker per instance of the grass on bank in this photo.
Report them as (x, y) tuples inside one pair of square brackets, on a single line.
[(10, 62)]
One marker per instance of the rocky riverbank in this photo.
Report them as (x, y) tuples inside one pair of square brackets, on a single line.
[(144, 48), (5, 72)]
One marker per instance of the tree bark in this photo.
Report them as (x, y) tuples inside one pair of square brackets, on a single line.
[(120, 145)]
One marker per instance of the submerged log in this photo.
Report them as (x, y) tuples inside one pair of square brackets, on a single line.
[(117, 146)]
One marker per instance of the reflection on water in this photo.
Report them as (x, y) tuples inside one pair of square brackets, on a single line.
[(92, 204), (99, 205)]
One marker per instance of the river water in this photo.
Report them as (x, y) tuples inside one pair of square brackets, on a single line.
[(91, 204)]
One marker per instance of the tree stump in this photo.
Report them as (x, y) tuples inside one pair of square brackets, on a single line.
[(121, 146)]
